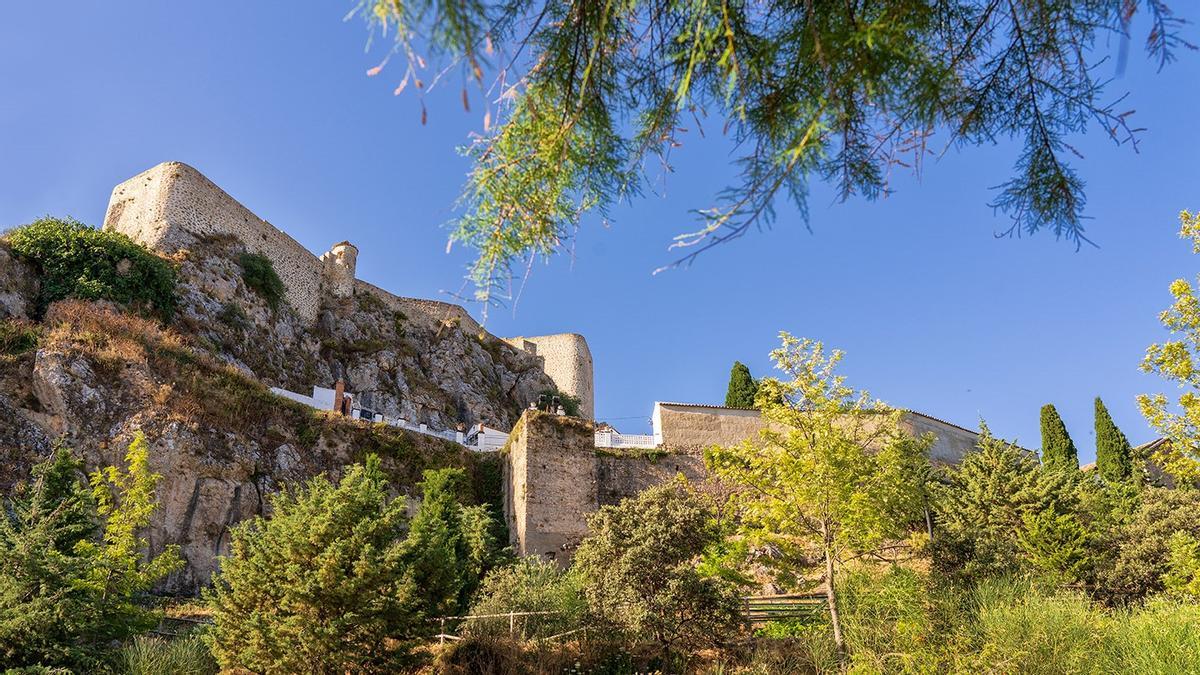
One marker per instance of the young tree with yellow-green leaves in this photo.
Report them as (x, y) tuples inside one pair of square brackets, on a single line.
[(834, 473), (1178, 361)]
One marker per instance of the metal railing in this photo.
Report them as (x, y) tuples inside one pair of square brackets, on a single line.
[(612, 439), (761, 609)]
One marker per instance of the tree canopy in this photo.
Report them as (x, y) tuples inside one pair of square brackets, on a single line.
[(1057, 447), (1114, 455), (585, 94), (742, 387)]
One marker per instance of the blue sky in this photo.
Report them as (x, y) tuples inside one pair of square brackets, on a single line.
[(271, 101)]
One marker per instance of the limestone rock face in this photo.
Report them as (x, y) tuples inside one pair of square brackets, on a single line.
[(18, 287)]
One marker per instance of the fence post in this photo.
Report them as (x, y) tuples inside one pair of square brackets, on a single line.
[(512, 625), (442, 632)]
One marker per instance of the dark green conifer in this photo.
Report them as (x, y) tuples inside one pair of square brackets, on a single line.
[(742, 387), (1114, 455), (1058, 450)]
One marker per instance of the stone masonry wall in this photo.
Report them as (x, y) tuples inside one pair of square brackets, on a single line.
[(568, 361), (168, 206)]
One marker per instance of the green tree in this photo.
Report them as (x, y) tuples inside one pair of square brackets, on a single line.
[(833, 471), (1057, 447), (73, 571), (449, 546), (1178, 361), (833, 91), (1143, 551), (998, 510), (322, 585), (639, 570), (1114, 455), (742, 387)]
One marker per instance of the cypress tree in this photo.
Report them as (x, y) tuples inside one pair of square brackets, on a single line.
[(1058, 449), (1114, 455), (742, 387)]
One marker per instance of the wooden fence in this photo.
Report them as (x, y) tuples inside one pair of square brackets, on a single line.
[(760, 609)]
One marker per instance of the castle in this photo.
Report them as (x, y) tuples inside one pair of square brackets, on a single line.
[(556, 469), (172, 206)]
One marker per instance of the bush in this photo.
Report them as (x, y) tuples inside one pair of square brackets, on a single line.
[(322, 585), (73, 570), (569, 403), (259, 274), (155, 656), (77, 261), (529, 585), (640, 576)]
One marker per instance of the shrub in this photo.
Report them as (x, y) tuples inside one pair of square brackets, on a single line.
[(322, 585), (640, 576), (259, 274), (77, 261), (73, 570), (529, 585), (1143, 544), (234, 316), (17, 337), (187, 655), (569, 403)]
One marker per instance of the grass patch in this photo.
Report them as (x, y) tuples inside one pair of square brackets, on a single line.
[(187, 655)]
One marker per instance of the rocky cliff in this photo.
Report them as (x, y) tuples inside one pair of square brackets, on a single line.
[(92, 375)]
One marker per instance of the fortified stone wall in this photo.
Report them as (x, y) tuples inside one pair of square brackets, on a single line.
[(549, 484), (168, 207), (568, 361), (623, 475)]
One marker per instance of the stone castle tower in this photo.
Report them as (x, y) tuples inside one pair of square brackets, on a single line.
[(338, 272)]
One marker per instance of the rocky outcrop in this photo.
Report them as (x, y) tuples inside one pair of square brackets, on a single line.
[(197, 389)]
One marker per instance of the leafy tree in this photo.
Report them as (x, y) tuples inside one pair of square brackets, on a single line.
[(836, 91), (322, 585), (1114, 455), (1057, 447), (73, 570), (259, 274), (449, 546), (77, 261), (1183, 566), (1178, 361), (742, 387), (639, 570), (1143, 550), (834, 471), (998, 508)]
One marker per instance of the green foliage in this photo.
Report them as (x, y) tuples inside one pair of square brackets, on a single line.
[(187, 655), (742, 387), (834, 473), (1183, 566), (998, 509), (1114, 455), (73, 572), (17, 337), (77, 261), (1058, 544), (529, 585), (830, 91), (1057, 447), (639, 573), (1178, 361), (449, 546), (1143, 554), (259, 274), (569, 403), (322, 585), (889, 621)]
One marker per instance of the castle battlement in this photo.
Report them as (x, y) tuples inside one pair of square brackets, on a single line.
[(172, 207)]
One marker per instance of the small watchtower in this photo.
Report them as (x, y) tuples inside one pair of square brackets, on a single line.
[(337, 276)]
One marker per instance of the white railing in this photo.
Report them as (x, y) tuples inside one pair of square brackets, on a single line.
[(612, 439)]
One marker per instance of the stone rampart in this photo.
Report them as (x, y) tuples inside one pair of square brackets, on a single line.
[(171, 206)]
